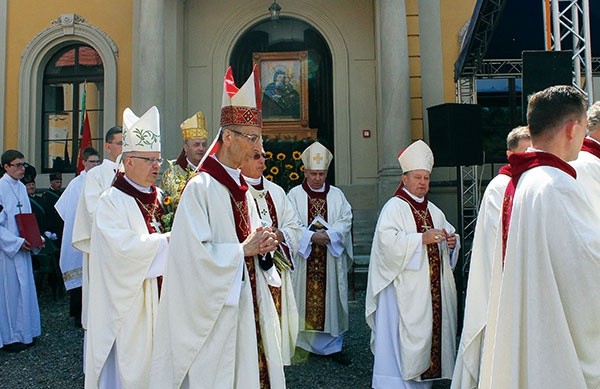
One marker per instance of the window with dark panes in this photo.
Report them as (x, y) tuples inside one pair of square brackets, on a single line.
[(73, 88)]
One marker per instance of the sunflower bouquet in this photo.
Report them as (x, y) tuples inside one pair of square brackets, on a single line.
[(283, 164), (173, 181)]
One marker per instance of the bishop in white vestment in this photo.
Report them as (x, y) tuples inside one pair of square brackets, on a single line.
[(217, 325), (323, 259), (128, 254), (411, 296), (275, 210)]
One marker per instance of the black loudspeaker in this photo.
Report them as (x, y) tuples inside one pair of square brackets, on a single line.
[(455, 134), (542, 69)]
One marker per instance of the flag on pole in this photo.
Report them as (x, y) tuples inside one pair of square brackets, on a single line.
[(85, 136)]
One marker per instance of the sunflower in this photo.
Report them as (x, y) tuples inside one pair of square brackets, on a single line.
[(269, 154), (296, 155), (280, 156), (167, 200), (294, 176), (302, 168), (288, 166), (274, 170), (269, 177)]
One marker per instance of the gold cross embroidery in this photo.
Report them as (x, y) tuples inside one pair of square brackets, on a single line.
[(318, 158)]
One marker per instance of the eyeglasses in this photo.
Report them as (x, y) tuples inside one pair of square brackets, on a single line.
[(258, 156), (19, 165), (151, 161), (96, 161), (251, 137)]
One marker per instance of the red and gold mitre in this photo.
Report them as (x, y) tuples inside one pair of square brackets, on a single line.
[(241, 106)]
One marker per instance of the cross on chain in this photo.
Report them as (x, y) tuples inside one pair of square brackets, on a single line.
[(19, 205), (155, 224)]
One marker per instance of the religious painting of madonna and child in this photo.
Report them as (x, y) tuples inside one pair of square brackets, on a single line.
[(284, 87)]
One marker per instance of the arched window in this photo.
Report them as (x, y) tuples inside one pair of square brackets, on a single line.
[(73, 88)]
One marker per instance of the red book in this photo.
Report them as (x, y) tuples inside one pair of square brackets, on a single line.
[(28, 229)]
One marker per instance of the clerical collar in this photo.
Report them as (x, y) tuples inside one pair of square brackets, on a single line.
[(320, 190), (234, 173), (412, 196), (190, 164), (318, 194), (253, 181), (143, 189)]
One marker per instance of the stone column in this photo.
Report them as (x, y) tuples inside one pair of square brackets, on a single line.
[(393, 85), (149, 56)]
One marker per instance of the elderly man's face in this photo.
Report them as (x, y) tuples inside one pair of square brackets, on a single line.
[(315, 178), (246, 140), (195, 149), (143, 167), (416, 182), (254, 167)]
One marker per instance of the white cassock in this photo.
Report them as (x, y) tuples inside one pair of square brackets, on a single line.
[(97, 180), (206, 336), (70, 258), (587, 166), (542, 327), (398, 305), (289, 225), (19, 310), (339, 259), (466, 369), (125, 260)]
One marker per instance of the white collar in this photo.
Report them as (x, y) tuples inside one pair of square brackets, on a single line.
[(143, 189), (417, 199), (234, 173)]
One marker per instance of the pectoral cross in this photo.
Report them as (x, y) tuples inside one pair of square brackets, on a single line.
[(155, 224), (19, 205), (426, 226)]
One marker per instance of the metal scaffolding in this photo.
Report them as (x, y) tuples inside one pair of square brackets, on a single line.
[(568, 28)]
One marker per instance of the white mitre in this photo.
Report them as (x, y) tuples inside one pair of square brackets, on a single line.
[(317, 157), (417, 156), (143, 133)]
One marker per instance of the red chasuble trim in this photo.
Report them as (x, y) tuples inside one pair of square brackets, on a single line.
[(182, 160), (316, 264), (520, 163), (591, 147), (150, 200), (424, 222)]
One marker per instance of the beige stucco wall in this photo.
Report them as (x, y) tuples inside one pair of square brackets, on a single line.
[(111, 16)]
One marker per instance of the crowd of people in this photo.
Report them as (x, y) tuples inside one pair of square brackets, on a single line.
[(244, 277)]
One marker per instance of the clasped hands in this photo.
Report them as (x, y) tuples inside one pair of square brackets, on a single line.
[(260, 241), (320, 237), (435, 235)]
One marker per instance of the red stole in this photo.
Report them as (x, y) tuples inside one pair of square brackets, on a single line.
[(424, 222), (591, 147), (241, 216), (520, 163), (316, 264), (149, 206), (505, 170)]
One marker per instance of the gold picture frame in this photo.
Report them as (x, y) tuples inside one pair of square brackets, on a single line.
[(284, 93)]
